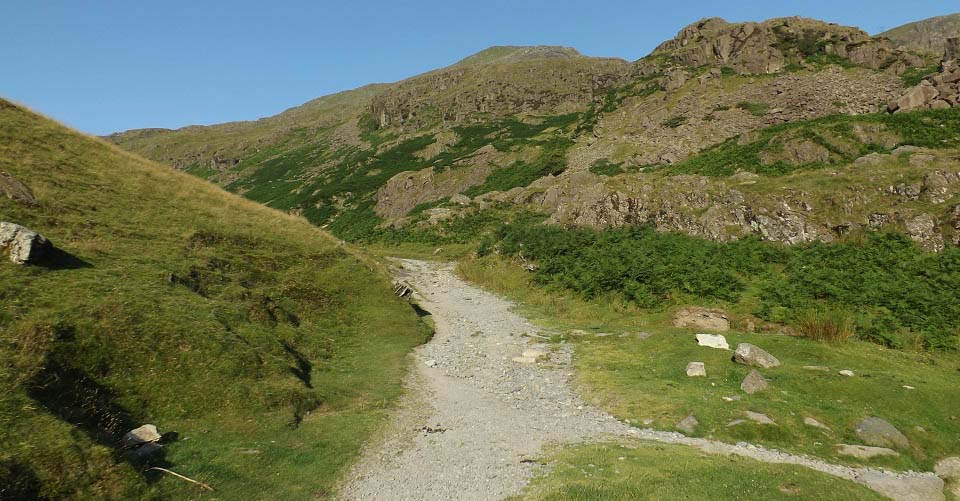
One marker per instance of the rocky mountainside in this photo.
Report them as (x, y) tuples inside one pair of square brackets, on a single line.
[(724, 131), (927, 35)]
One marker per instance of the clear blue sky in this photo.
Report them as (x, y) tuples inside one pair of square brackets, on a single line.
[(109, 65)]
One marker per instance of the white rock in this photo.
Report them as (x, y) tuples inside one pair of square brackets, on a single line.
[(534, 354), (696, 369), (713, 341), (431, 363), (846, 372), (145, 434)]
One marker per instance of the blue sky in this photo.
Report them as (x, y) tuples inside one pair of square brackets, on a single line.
[(104, 66)]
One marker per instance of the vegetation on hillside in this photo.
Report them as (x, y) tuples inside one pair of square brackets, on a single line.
[(263, 350), (892, 289), (935, 129), (631, 362)]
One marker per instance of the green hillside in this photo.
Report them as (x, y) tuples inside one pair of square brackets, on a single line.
[(263, 350)]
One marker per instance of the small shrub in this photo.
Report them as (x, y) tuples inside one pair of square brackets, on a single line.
[(604, 167), (754, 108), (832, 325), (674, 122)]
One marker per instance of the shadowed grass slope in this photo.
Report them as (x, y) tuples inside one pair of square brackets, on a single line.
[(262, 349)]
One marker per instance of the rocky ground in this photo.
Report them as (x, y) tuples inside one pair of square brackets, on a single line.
[(487, 395)]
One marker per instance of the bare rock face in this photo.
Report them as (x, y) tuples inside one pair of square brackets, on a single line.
[(23, 245), (879, 433), (749, 354), (767, 47), (702, 318), (923, 230), (16, 190)]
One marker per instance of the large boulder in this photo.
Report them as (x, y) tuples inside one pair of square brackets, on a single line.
[(877, 432), (917, 98), (16, 190), (24, 246), (749, 354), (702, 318)]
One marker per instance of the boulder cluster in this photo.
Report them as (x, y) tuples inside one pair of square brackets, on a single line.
[(936, 91)]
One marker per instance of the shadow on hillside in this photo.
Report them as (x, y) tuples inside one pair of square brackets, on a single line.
[(74, 397), (303, 370), (18, 481), (59, 259)]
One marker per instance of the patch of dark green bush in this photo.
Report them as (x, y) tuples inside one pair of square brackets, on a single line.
[(897, 290)]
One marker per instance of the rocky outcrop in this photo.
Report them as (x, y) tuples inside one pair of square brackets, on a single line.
[(15, 190), (928, 35), (936, 91), (459, 95), (22, 245), (702, 318), (638, 132), (769, 46)]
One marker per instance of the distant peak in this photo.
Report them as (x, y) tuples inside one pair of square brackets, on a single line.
[(514, 53)]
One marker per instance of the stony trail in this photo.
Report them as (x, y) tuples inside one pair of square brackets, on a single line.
[(477, 411)]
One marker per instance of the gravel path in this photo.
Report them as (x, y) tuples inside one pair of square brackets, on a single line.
[(477, 411)]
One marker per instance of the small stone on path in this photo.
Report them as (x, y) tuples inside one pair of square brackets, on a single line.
[(713, 341), (696, 369), (948, 468), (864, 452), (877, 432), (431, 363), (688, 424)]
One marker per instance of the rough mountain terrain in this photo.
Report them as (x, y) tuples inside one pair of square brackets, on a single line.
[(600, 142), (927, 35)]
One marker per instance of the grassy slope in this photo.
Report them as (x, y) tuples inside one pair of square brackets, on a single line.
[(268, 349), (651, 471), (638, 380)]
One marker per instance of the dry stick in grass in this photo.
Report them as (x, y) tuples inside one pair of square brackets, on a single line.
[(201, 484)]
